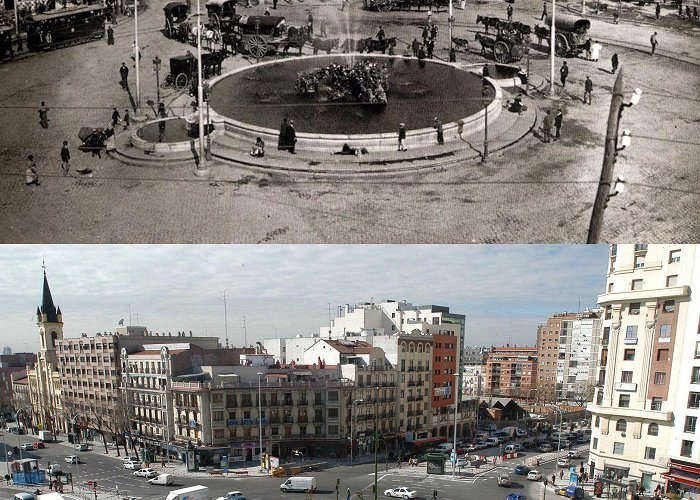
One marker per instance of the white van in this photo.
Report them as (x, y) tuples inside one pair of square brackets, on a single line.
[(305, 484), (162, 479), (492, 442), (445, 447)]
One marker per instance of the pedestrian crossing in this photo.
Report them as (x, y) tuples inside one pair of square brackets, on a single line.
[(469, 475)]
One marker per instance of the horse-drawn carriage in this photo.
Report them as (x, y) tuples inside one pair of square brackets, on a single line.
[(259, 35), (389, 5), (6, 51), (183, 69), (221, 13), (570, 35), (176, 19), (511, 42)]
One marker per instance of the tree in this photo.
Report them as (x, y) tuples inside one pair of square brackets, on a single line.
[(583, 392)]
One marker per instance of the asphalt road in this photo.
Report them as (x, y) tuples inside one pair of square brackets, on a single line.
[(110, 474)]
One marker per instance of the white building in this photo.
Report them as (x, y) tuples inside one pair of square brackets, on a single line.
[(648, 400), (579, 343)]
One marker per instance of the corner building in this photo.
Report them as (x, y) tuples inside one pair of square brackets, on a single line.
[(647, 402)]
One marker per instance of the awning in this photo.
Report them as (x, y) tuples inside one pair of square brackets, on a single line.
[(683, 478), (302, 373), (277, 375), (427, 440), (192, 375)]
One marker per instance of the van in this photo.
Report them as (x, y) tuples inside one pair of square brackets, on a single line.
[(445, 447), (23, 496), (190, 493), (555, 436), (305, 484), (492, 441), (510, 449), (162, 479)]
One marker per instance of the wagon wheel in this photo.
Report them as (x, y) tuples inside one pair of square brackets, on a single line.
[(215, 22), (181, 81), (384, 7), (256, 46), (517, 52), (501, 53), (169, 28), (561, 45)]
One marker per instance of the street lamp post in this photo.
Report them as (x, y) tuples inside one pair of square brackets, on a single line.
[(4, 447), (453, 455), (202, 163), (156, 67), (478, 396), (260, 415), (352, 425), (552, 44), (376, 440), (137, 53), (18, 429)]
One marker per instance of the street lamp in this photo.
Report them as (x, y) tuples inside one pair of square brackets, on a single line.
[(376, 440), (19, 426), (453, 455), (560, 412), (259, 409), (202, 163), (352, 426), (156, 67)]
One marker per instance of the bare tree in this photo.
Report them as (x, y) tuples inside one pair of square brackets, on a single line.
[(100, 417), (583, 392)]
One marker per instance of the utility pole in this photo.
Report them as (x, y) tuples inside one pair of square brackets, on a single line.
[(486, 133), (376, 439), (606, 173), (137, 55), (225, 318), (552, 44), (202, 167)]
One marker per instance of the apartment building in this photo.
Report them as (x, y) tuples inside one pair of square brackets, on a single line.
[(648, 400), (511, 371), (568, 351), (10, 364), (473, 381), (474, 355)]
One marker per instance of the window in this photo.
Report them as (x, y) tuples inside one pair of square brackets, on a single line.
[(669, 305), (660, 378), (618, 448), (631, 332), (690, 424), (686, 448), (662, 355), (608, 312), (624, 401), (695, 377), (656, 403), (674, 256), (629, 354), (694, 400), (595, 443), (650, 453), (610, 287), (638, 262), (634, 308), (653, 429), (597, 422), (672, 280), (621, 425), (665, 333), (637, 284), (626, 377), (697, 350)]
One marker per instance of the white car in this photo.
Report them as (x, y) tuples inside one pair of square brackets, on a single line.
[(54, 469), (232, 495), (534, 475), (149, 473), (72, 459), (521, 433), (563, 462), (401, 492), (132, 465), (82, 447)]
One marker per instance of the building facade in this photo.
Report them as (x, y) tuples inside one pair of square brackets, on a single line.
[(511, 371), (648, 400)]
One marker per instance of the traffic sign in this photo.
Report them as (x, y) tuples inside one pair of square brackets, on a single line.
[(453, 456)]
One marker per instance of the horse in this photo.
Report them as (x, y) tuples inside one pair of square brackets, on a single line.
[(460, 43), (378, 45), (296, 37), (325, 44), (209, 36), (542, 33), (353, 45), (486, 43)]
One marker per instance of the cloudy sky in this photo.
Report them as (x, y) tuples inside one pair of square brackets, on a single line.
[(283, 290)]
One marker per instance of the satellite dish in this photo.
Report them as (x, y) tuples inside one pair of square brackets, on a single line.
[(121, 322)]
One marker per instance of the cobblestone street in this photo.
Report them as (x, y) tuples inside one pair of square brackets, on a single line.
[(528, 192)]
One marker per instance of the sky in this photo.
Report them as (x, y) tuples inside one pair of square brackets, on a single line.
[(283, 290)]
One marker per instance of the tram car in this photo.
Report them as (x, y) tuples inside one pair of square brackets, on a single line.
[(176, 17), (65, 27), (221, 13), (6, 51)]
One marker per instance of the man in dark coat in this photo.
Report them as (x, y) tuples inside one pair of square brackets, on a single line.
[(557, 123), (402, 137), (425, 34), (544, 11), (509, 12), (110, 35), (658, 10), (438, 128), (587, 90), (654, 42), (433, 31), (430, 46), (291, 136), (614, 62), (547, 131), (282, 141), (380, 34), (65, 158), (415, 45), (115, 117), (44, 115), (563, 74), (124, 72)]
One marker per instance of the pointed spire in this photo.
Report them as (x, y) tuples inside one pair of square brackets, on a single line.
[(47, 306)]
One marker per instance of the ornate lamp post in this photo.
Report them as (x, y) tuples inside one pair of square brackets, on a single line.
[(156, 67)]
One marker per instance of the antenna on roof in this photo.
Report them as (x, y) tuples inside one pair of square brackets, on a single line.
[(129, 314), (225, 318), (245, 334)]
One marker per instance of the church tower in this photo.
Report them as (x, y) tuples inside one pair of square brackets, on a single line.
[(50, 323)]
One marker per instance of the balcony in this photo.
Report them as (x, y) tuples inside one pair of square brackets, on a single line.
[(303, 420), (303, 402), (630, 341), (288, 420), (318, 420), (643, 295), (626, 387)]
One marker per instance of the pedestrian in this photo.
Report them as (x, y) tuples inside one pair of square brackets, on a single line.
[(687, 12), (116, 117), (282, 140), (561, 474), (437, 125), (425, 34), (587, 49), (44, 115), (453, 55), (126, 119), (402, 137), (433, 32), (587, 90), (415, 45), (654, 42), (554, 479), (380, 34), (421, 53), (110, 35), (65, 158), (596, 49), (563, 74), (509, 12), (124, 72), (310, 23), (547, 132), (32, 174), (162, 113), (291, 137), (544, 11), (538, 461), (658, 10), (347, 496), (557, 124), (680, 9), (430, 46)]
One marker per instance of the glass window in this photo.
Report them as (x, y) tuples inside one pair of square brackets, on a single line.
[(697, 350), (595, 443), (695, 377), (686, 448), (624, 401), (669, 305), (634, 308), (660, 378), (665, 332), (650, 453), (690, 424), (631, 332), (618, 448), (597, 421), (637, 284), (626, 377), (694, 400), (662, 355), (653, 430), (672, 280), (656, 403), (638, 262), (674, 256), (629, 354), (621, 425)]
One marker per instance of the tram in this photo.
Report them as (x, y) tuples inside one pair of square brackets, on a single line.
[(65, 27)]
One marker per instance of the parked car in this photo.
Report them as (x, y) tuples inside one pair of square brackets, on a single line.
[(516, 496), (39, 445), (232, 495), (573, 454), (534, 475), (26, 447), (583, 439), (146, 472), (504, 480), (72, 459), (491, 427), (521, 470), (571, 491), (546, 447), (23, 496), (401, 492), (529, 445), (132, 465), (521, 433), (563, 462), (82, 447), (54, 469), (132, 458), (168, 479)]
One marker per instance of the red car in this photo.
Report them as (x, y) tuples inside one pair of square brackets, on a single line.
[(38, 445)]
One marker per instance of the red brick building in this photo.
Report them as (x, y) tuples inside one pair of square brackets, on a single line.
[(511, 371)]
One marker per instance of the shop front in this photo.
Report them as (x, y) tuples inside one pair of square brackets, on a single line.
[(683, 478)]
